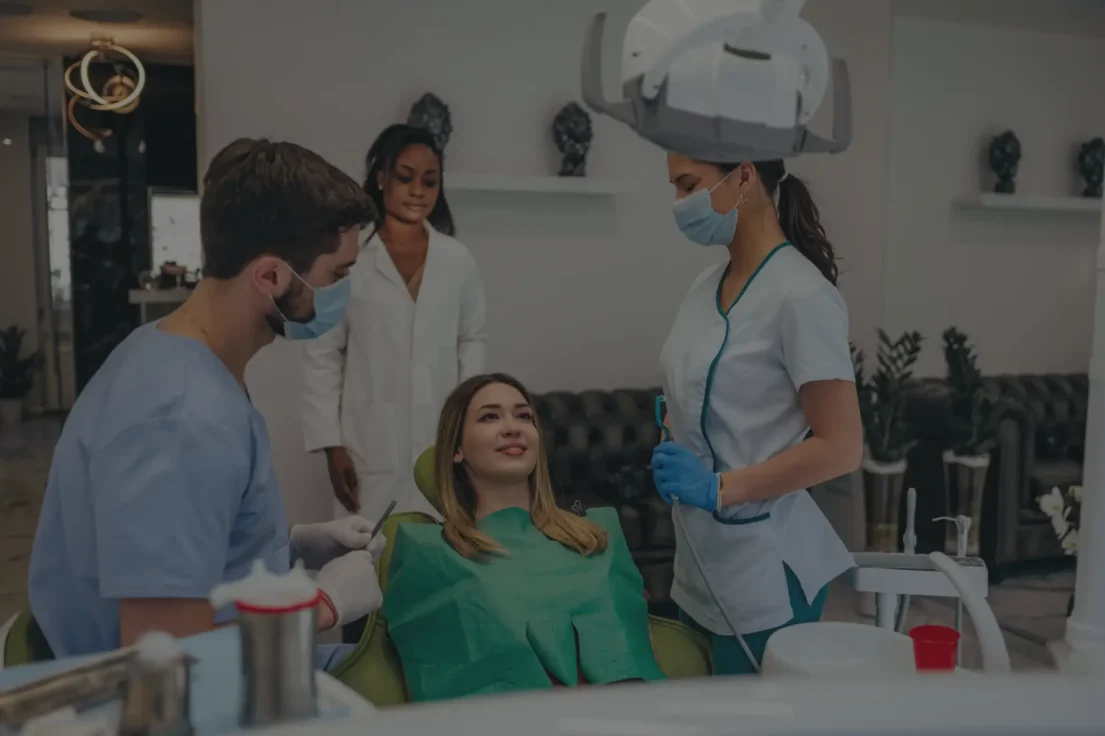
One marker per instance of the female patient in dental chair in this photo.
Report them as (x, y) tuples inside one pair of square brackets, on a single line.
[(513, 593)]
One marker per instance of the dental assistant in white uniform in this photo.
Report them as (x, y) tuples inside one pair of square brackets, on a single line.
[(415, 328), (761, 400)]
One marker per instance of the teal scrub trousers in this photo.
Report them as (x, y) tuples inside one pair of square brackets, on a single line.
[(730, 659)]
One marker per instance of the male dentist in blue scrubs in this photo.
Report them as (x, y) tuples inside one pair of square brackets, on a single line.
[(162, 484)]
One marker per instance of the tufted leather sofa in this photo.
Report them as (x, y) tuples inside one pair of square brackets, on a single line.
[(1040, 444), (599, 445)]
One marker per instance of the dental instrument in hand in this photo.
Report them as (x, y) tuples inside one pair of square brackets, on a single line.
[(383, 517)]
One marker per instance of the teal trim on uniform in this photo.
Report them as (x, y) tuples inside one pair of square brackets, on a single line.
[(729, 657), (725, 315), (740, 522)]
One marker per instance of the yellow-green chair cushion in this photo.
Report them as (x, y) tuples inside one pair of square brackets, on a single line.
[(424, 477), (25, 643), (375, 671)]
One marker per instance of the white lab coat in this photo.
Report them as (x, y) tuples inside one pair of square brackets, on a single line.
[(376, 384), (731, 383)]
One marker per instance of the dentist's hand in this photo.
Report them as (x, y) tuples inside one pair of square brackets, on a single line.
[(318, 544), (680, 475), (351, 586)]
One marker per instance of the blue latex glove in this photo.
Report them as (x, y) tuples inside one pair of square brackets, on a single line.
[(680, 475)]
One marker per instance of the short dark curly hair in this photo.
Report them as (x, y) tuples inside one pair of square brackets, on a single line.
[(273, 198)]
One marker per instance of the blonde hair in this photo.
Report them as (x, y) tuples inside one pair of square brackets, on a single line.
[(458, 497)]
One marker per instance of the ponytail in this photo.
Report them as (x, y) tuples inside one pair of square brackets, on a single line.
[(801, 223), (798, 215)]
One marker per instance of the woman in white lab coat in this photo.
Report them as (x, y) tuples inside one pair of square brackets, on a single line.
[(762, 405), (414, 329)]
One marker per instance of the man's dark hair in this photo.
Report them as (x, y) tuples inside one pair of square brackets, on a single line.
[(277, 199)]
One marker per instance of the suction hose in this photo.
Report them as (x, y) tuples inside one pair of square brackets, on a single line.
[(677, 514)]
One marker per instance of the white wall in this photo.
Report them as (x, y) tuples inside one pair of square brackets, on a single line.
[(581, 292), (17, 264), (1020, 284)]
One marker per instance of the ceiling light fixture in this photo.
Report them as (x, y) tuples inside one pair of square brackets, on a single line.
[(107, 15), (120, 93), (6, 141), (11, 10)]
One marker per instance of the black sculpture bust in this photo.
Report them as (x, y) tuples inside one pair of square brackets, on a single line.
[(1091, 165), (572, 133), (1005, 156), (432, 115)]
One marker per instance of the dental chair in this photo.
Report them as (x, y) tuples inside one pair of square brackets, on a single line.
[(375, 672)]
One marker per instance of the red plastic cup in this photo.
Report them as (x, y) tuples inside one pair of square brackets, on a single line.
[(934, 648)]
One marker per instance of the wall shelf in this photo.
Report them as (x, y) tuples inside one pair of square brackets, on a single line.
[(569, 185), (1029, 202)]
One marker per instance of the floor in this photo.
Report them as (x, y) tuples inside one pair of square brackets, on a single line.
[(1031, 610)]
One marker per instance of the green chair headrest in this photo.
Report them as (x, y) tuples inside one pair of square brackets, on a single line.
[(424, 477)]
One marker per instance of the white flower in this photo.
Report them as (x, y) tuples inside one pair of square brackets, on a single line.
[(1052, 503), (1076, 493), (1060, 525), (1070, 542)]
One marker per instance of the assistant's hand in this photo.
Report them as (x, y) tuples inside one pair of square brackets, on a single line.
[(350, 584), (318, 544), (680, 475), (343, 478)]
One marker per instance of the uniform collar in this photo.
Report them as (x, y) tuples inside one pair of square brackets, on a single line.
[(382, 259)]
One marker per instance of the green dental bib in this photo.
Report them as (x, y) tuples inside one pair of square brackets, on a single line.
[(464, 628)]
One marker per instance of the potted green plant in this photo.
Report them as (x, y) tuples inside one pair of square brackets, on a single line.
[(972, 421), (887, 432), (17, 375)]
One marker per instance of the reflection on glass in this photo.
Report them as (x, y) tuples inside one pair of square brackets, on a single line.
[(57, 196), (175, 230)]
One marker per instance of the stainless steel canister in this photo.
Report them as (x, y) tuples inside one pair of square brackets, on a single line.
[(278, 668), (157, 698)]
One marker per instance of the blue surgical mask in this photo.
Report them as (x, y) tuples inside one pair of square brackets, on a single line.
[(329, 302), (700, 222)]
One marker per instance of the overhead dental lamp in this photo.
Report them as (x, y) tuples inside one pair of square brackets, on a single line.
[(722, 80)]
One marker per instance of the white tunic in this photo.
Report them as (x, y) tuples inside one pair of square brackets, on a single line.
[(376, 383), (731, 385)]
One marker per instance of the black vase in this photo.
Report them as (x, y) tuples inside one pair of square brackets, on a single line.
[(1091, 166), (573, 133), (1005, 157)]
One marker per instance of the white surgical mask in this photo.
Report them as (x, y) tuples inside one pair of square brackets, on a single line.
[(700, 222)]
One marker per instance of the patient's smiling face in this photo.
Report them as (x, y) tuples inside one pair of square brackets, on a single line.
[(499, 440)]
